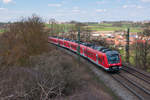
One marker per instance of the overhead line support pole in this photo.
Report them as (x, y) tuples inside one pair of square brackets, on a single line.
[(79, 44), (127, 45)]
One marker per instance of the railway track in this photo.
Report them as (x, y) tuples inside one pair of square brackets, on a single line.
[(140, 77), (134, 87), (135, 81), (137, 73), (119, 79)]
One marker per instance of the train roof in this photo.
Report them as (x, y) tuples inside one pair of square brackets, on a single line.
[(98, 48), (112, 52), (74, 41), (89, 45), (102, 49), (67, 39)]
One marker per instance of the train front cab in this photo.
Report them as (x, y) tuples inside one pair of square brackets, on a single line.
[(105, 64), (114, 66)]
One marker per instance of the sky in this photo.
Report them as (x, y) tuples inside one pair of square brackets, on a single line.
[(78, 10)]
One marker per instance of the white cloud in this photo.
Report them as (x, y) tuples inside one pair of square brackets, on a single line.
[(2, 9), (139, 7), (76, 10), (145, 0), (101, 2), (125, 6), (101, 10), (132, 6), (7, 1), (54, 5), (76, 7)]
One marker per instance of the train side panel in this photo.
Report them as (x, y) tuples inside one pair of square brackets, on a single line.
[(102, 60), (83, 50), (95, 56), (66, 44), (61, 42), (91, 54), (73, 46), (53, 40)]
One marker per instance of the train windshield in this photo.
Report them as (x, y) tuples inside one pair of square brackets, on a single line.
[(113, 58)]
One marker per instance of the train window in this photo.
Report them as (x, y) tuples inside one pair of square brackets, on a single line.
[(73, 46), (86, 52), (100, 60), (113, 58), (92, 55), (103, 60), (89, 54)]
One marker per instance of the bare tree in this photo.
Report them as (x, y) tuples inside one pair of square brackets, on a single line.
[(23, 39), (142, 49)]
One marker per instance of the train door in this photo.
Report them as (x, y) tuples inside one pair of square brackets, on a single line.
[(73, 46), (84, 51), (100, 59), (81, 50), (94, 56), (88, 53), (64, 43), (68, 44), (61, 42)]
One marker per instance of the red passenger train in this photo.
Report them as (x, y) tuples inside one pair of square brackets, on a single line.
[(107, 59)]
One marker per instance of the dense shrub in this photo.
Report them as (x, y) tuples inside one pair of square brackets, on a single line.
[(50, 77), (23, 39)]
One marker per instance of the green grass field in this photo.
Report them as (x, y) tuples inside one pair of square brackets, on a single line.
[(102, 24), (1, 31), (111, 28), (60, 25)]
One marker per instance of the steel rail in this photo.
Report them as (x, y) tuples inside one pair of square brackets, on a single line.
[(136, 76), (140, 87), (127, 87), (137, 71)]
